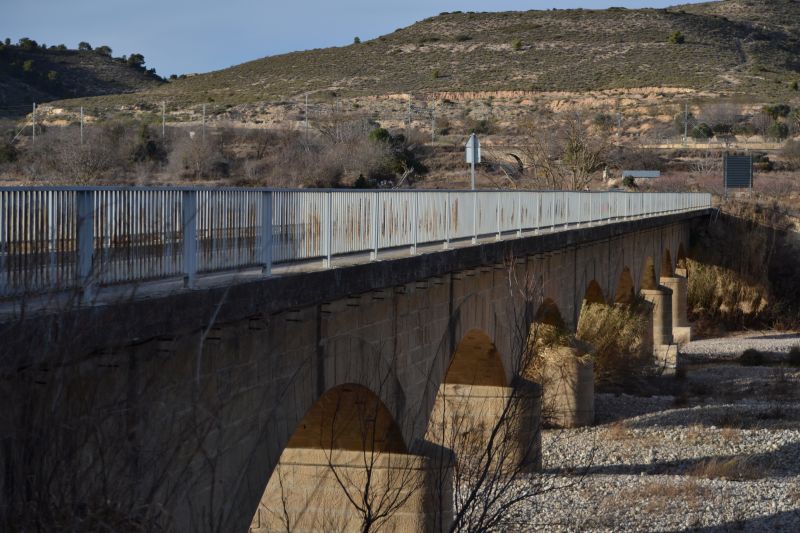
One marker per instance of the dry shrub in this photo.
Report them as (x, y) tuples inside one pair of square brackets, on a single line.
[(618, 335), (736, 468), (743, 272), (619, 431), (659, 496)]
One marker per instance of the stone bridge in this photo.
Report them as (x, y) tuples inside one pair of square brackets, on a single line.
[(176, 407)]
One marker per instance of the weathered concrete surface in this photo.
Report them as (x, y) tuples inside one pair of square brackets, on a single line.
[(194, 396)]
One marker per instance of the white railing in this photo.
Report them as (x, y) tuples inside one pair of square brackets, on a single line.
[(68, 237)]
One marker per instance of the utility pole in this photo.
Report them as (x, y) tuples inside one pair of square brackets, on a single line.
[(81, 124), (685, 122), (33, 137), (306, 117), (204, 122), (163, 119)]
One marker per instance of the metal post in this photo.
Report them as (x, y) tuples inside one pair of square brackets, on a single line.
[(553, 212), (474, 217), (519, 214), (189, 227), (327, 229), (538, 218), (266, 233), (447, 222), (498, 236), (85, 245), (414, 223), (376, 205)]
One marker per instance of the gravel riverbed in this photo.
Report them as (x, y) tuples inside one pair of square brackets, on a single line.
[(718, 450)]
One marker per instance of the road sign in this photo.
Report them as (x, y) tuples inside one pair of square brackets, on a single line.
[(473, 150), (473, 156), (738, 171)]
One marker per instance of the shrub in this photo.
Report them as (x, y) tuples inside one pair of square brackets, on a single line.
[(462, 37), (356, 40), (435, 74), (8, 154), (778, 131), (777, 110), (794, 356), (618, 335), (751, 357), (516, 45), (104, 50), (795, 86), (676, 37), (791, 152), (702, 131), (27, 44), (83, 45), (629, 182)]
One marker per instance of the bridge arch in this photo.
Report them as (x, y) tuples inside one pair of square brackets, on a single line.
[(626, 292), (594, 293), (476, 361), (667, 268), (549, 313), (349, 417)]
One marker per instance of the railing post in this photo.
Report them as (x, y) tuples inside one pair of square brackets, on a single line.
[(189, 223), (414, 221), (519, 214), (553, 211), (327, 230), (498, 210), (474, 217), (266, 233), (376, 205), (537, 220), (85, 245), (447, 222)]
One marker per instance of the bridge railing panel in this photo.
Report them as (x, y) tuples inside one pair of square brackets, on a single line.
[(67, 238)]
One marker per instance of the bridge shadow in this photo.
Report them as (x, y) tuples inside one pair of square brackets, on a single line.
[(779, 463), (782, 521)]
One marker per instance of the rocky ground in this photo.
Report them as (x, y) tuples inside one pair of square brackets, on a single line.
[(716, 450)]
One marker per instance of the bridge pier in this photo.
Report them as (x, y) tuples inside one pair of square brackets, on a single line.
[(664, 351)]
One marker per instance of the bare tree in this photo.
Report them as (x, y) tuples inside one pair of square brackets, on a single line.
[(563, 154)]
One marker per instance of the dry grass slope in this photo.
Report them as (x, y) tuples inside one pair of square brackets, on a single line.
[(735, 46)]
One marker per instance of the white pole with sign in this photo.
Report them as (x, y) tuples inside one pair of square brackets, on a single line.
[(473, 155)]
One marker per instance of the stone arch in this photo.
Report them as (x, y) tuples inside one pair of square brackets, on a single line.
[(681, 259), (594, 293), (349, 417), (549, 313), (626, 294), (347, 443), (666, 264), (649, 281), (476, 361)]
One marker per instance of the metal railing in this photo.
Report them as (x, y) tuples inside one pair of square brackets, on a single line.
[(72, 237)]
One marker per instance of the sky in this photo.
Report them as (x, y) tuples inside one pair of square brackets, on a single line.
[(188, 36)]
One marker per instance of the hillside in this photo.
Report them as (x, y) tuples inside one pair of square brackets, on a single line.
[(735, 46), (31, 73)]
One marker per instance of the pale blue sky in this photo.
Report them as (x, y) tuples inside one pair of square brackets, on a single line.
[(183, 36)]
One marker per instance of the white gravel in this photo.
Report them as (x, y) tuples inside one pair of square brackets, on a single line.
[(772, 344), (723, 454)]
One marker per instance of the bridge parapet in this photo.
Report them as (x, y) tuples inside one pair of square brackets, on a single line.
[(67, 238)]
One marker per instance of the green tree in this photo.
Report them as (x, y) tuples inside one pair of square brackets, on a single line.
[(27, 44), (676, 37), (28, 66), (778, 131), (680, 119), (104, 50), (136, 60), (356, 40), (83, 45), (702, 131), (777, 110)]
